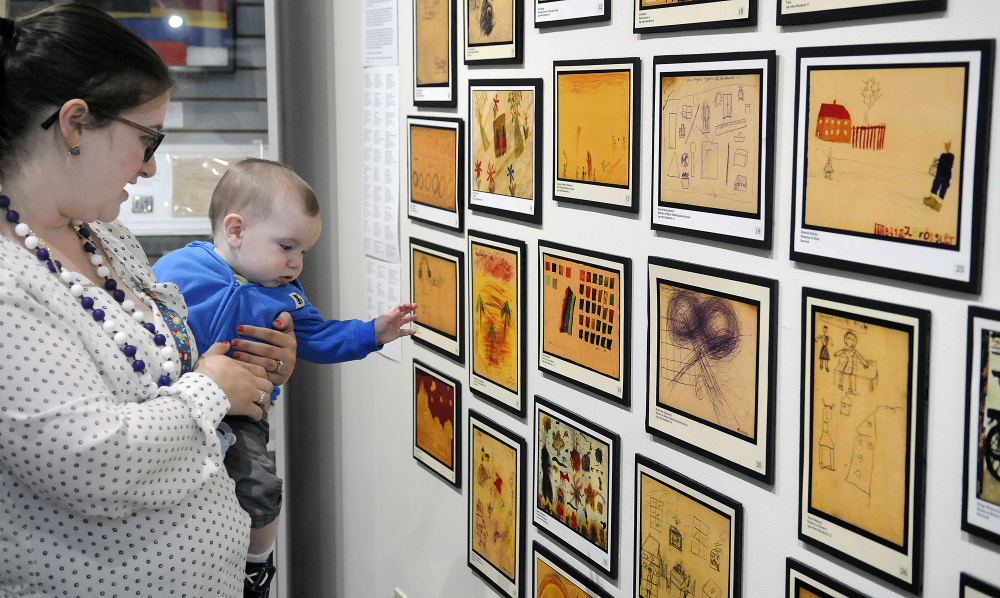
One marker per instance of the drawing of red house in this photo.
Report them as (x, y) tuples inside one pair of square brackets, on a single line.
[(834, 123)]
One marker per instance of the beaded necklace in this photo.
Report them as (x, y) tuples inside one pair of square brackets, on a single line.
[(33, 243)]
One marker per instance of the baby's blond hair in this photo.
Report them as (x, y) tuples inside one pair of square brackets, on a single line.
[(249, 186)]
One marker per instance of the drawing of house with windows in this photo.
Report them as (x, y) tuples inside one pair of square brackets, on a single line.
[(652, 563), (834, 123)]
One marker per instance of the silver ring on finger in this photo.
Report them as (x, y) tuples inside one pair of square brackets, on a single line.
[(263, 397), (277, 368)]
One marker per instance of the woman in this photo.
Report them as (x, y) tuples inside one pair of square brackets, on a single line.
[(111, 476)]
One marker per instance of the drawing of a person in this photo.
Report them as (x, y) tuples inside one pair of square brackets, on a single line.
[(828, 169), (850, 358), (942, 178), (824, 350)]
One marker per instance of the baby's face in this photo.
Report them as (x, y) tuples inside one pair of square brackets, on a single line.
[(273, 247)]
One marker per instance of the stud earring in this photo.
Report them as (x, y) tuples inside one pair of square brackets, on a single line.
[(74, 150)]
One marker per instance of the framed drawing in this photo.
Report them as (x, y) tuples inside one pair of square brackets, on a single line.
[(436, 286), (884, 184), (802, 581), (712, 335), (713, 146), (687, 536), (585, 306), (971, 587), (497, 294), (551, 13), (981, 484), (437, 431), (576, 484), (656, 16), (494, 32), (505, 168), (497, 465), (553, 578), (434, 62), (863, 439), (436, 153), (596, 150), (798, 12)]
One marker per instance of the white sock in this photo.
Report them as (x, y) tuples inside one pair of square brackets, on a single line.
[(258, 558)]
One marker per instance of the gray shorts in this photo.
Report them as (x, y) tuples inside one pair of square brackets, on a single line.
[(258, 487)]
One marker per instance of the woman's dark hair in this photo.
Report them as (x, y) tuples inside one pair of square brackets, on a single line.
[(68, 51)]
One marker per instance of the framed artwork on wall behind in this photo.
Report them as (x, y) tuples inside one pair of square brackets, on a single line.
[(437, 285), (576, 477), (497, 466), (981, 487), (497, 299), (802, 581), (971, 587), (434, 61), (553, 578), (596, 150), (585, 307), (712, 335), (436, 154), (884, 182), (551, 13), (713, 146), (799, 12), (494, 32), (863, 437), (505, 166), (656, 16), (437, 429), (686, 536)]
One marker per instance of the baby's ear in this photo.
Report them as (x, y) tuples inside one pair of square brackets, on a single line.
[(233, 227)]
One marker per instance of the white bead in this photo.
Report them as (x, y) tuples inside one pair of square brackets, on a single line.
[(121, 338), (103, 271), (110, 325), (66, 276), (76, 222), (96, 259), (76, 290), (31, 242), (166, 352), (138, 316), (22, 229), (146, 379), (128, 305), (168, 367)]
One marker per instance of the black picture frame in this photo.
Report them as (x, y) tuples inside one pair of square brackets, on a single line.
[(423, 452), (981, 473), (623, 197), (503, 381), (561, 13), (972, 587), (436, 94), (800, 577), (430, 171), (488, 201), (884, 365), (439, 329), (688, 198), (696, 508), (598, 524), (562, 572), (599, 319), (493, 52), (939, 242), (482, 432), (700, 324), (693, 14), (804, 14)]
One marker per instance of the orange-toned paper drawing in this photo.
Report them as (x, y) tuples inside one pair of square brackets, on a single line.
[(552, 584), (594, 127), (503, 141), (495, 314), (435, 290), (432, 24), (433, 163), (490, 21), (494, 501), (435, 413)]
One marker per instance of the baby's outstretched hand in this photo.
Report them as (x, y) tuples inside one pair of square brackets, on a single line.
[(389, 326)]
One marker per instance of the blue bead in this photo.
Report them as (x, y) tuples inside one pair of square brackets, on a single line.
[(160, 340), (89, 247), (119, 295), (13, 216), (138, 365), (84, 232), (149, 326), (99, 315), (52, 267), (87, 302), (4, 202), (129, 350), (110, 284), (163, 381), (58, 265), (42, 254)]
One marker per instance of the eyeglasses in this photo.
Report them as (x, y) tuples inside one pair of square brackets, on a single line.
[(152, 142)]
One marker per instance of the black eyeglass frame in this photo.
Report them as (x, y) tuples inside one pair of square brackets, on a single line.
[(150, 149)]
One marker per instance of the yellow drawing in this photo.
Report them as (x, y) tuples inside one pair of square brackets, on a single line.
[(593, 132), (552, 584), (494, 500), (435, 290), (432, 23), (503, 156), (495, 315), (433, 163)]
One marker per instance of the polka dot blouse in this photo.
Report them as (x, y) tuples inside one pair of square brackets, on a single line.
[(106, 487)]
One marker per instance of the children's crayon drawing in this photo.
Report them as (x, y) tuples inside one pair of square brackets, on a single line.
[(432, 23), (435, 417), (594, 127), (435, 291), (433, 165), (494, 501), (503, 138), (495, 314)]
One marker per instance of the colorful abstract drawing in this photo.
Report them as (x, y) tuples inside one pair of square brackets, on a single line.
[(555, 579), (594, 126), (432, 24), (490, 21), (435, 417), (433, 167), (203, 41), (885, 148), (503, 142), (435, 291), (495, 314)]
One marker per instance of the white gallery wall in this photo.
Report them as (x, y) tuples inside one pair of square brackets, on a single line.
[(366, 518)]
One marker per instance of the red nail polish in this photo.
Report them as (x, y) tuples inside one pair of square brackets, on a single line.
[(239, 329), (234, 343), (236, 355), (277, 322)]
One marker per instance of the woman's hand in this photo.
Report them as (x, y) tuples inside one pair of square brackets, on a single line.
[(244, 384), (389, 326), (276, 350)]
